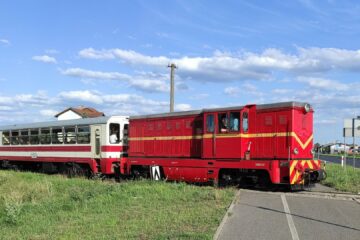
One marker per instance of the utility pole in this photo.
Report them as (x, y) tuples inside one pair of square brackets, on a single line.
[(172, 94)]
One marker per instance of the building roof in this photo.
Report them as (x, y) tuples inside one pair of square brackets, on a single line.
[(84, 112)]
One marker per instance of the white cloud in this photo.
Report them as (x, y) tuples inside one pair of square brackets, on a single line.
[(182, 107), (5, 41), (233, 91), (144, 81), (281, 91), (51, 51), (247, 65), (199, 96), (48, 112), (83, 73), (325, 84), (44, 58), (85, 96)]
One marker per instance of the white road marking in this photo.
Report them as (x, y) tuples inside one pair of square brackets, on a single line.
[(289, 218)]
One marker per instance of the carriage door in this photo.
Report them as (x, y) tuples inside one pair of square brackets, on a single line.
[(228, 140), (96, 141), (209, 147)]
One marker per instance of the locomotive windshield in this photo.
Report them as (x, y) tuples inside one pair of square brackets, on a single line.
[(114, 133)]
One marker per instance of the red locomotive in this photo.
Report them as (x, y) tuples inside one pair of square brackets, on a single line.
[(267, 143), (264, 143)]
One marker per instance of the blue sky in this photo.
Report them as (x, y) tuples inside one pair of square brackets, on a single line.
[(113, 55)]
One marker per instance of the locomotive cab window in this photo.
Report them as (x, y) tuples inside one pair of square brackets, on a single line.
[(234, 121), (210, 123), (114, 133), (126, 133), (223, 122), (245, 122)]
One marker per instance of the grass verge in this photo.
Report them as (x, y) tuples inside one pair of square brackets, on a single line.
[(343, 179), (37, 206)]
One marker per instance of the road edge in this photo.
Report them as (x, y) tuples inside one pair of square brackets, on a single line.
[(226, 216)]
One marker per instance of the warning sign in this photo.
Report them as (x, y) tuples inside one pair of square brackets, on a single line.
[(155, 173)]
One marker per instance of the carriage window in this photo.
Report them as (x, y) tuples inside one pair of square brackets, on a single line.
[(57, 136), (14, 137), (223, 122), (6, 138), (24, 137), (168, 125), (83, 134), (268, 120), (34, 136), (282, 120), (45, 137), (114, 133), (70, 135), (234, 121), (245, 122), (210, 123), (126, 133)]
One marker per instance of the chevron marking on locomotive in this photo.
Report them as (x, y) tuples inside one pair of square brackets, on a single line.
[(236, 135), (298, 166)]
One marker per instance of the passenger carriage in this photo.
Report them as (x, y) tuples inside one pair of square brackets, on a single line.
[(75, 145)]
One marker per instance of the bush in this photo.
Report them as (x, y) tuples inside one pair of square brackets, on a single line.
[(12, 211)]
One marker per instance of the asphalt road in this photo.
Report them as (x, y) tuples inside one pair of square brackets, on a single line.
[(284, 216), (335, 159)]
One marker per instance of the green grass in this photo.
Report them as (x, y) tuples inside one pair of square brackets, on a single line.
[(36, 206), (343, 179)]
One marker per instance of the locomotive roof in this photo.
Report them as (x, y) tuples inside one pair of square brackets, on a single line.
[(197, 112), (57, 123)]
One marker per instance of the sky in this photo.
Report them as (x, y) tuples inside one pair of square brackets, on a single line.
[(113, 56)]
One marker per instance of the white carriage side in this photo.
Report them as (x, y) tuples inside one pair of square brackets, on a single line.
[(81, 141)]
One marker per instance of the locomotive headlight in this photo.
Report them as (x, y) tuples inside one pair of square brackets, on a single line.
[(296, 151), (307, 107)]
